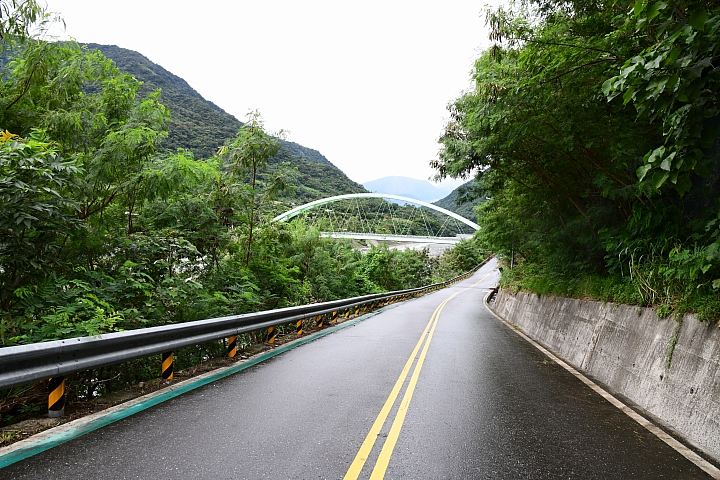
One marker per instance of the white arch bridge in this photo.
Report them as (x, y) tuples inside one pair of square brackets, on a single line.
[(382, 217)]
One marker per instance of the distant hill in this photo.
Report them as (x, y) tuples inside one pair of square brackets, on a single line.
[(454, 201), (407, 187), (201, 126)]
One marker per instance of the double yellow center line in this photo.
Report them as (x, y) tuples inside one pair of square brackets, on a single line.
[(384, 459)]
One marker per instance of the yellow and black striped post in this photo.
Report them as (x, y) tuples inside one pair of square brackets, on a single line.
[(298, 327), (365, 305), (320, 320), (334, 317), (167, 366), (357, 309), (232, 346), (271, 335), (56, 397), (347, 312)]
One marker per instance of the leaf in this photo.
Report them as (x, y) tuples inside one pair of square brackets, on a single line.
[(659, 179), (642, 171), (656, 155), (629, 95), (639, 7), (654, 9), (608, 86), (667, 162), (683, 185), (698, 18)]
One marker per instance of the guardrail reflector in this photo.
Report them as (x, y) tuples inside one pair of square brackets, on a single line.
[(167, 366), (232, 346), (56, 397)]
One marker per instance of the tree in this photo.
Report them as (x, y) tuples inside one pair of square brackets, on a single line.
[(17, 17), (673, 80), (544, 144), (249, 155), (36, 215)]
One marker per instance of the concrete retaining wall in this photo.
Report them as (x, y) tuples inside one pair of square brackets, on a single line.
[(627, 348)]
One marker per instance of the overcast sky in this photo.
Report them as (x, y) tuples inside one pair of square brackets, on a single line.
[(365, 83)]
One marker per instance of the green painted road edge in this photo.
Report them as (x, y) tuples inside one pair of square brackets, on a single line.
[(59, 438)]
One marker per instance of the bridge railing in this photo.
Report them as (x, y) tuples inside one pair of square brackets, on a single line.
[(24, 364)]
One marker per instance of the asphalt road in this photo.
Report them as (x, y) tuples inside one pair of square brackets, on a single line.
[(477, 401)]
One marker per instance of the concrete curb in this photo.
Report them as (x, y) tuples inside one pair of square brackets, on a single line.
[(703, 464)]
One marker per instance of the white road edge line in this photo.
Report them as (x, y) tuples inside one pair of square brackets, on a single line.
[(683, 450)]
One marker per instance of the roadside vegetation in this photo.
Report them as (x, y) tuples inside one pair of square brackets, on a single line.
[(592, 129), (103, 229)]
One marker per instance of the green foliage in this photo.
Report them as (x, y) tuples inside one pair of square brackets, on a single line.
[(463, 200), (581, 186), (199, 126), (393, 269), (35, 216), (103, 231), (17, 19), (672, 79)]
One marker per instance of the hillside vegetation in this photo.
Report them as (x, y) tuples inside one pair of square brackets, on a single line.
[(463, 200), (119, 211), (593, 129), (104, 227), (201, 127)]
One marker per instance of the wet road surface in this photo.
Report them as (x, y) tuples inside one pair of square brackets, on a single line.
[(483, 404)]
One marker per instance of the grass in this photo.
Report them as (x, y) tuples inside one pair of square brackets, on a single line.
[(667, 297)]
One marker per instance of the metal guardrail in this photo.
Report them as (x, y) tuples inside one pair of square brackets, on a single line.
[(25, 364)]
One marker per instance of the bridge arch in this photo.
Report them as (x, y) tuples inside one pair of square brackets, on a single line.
[(283, 217)]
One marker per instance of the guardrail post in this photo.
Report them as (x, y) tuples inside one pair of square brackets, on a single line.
[(320, 321), (298, 327), (347, 312), (232, 346), (334, 317), (56, 397), (167, 366), (271, 335), (357, 309)]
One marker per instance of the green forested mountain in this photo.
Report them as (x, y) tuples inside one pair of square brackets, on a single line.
[(463, 200), (201, 126)]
